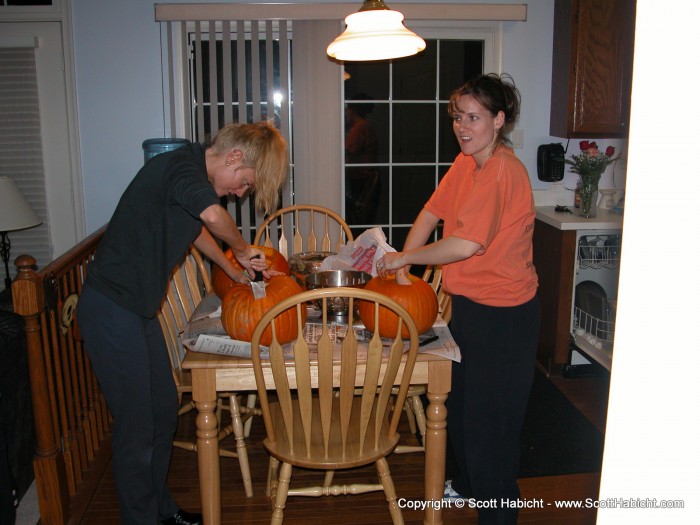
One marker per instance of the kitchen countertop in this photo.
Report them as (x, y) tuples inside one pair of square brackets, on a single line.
[(606, 220)]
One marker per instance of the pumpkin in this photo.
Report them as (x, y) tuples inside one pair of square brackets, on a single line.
[(221, 282), (418, 298), (240, 311)]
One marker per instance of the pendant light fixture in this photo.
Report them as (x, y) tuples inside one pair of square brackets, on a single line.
[(375, 32)]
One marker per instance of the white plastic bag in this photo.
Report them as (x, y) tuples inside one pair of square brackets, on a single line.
[(362, 254)]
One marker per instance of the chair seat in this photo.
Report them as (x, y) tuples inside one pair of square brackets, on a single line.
[(335, 459)]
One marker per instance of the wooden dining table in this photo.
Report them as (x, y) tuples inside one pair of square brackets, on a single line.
[(213, 373)]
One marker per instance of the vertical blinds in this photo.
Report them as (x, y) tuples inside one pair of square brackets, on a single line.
[(238, 72), (21, 155)]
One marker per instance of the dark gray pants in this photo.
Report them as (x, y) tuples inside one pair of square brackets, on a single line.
[(130, 359), (486, 407)]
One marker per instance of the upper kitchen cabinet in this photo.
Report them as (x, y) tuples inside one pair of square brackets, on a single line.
[(592, 68)]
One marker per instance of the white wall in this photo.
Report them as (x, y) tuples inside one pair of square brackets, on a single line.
[(652, 442), (120, 103)]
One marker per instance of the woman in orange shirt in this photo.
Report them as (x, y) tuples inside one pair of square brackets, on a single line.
[(486, 205)]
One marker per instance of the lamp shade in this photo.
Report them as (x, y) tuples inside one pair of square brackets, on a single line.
[(15, 212), (376, 33)]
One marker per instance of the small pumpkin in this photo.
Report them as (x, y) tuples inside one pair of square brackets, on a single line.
[(221, 282), (241, 311), (418, 298)]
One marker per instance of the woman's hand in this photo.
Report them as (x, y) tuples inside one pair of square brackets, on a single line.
[(253, 260), (238, 276), (389, 263)]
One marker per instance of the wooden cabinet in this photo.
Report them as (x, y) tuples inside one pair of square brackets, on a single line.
[(554, 256), (592, 68)]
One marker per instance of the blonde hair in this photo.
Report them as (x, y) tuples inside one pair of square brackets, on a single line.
[(265, 150)]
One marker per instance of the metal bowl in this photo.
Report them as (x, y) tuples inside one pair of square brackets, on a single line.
[(333, 279), (303, 264)]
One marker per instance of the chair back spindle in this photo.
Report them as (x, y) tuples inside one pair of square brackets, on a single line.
[(303, 228)]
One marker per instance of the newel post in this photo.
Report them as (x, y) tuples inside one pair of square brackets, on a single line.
[(28, 301)]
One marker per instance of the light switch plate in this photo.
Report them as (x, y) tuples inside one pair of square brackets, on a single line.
[(516, 137)]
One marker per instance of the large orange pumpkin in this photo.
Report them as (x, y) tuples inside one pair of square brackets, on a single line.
[(240, 311), (418, 298), (221, 282)]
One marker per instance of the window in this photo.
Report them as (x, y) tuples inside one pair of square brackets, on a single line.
[(399, 138)]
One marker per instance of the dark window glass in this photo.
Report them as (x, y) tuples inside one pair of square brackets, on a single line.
[(414, 77), (460, 60), (414, 132), (366, 195), (367, 130), (370, 78), (398, 238), (412, 186)]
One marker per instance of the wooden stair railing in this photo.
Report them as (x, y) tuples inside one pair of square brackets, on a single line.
[(71, 419)]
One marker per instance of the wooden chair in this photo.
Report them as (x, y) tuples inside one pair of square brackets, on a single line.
[(188, 285), (433, 275), (413, 405), (331, 428), (303, 228)]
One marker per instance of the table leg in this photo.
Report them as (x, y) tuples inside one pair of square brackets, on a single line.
[(439, 383), (204, 395)]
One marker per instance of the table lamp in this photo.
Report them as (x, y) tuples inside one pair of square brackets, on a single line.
[(15, 214)]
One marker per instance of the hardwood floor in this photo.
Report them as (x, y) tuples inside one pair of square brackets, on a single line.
[(588, 394)]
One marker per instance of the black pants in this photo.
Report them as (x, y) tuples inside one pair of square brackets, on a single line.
[(486, 407), (130, 360)]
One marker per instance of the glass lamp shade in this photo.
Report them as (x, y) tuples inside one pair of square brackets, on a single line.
[(15, 212), (376, 34)]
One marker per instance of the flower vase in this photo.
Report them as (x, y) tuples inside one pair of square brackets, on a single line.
[(589, 195)]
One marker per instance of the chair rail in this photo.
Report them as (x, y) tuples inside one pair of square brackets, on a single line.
[(72, 422)]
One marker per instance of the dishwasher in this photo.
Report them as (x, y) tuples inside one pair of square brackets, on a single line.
[(594, 303)]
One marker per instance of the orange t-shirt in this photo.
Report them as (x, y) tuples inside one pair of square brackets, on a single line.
[(494, 207)]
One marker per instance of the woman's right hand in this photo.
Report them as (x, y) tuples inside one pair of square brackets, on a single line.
[(391, 263), (402, 276)]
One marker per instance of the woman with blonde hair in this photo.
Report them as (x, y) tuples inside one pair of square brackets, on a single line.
[(173, 201)]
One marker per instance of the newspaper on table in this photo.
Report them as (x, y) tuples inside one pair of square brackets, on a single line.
[(205, 333)]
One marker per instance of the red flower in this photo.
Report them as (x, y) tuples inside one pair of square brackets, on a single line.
[(610, 151), (584, 145)]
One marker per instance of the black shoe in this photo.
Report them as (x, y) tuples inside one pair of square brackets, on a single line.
[(184, 518)]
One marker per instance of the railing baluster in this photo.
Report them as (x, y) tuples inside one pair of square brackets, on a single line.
[(71, 419)]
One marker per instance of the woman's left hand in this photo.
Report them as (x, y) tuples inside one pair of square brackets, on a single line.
[(252, 259)]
